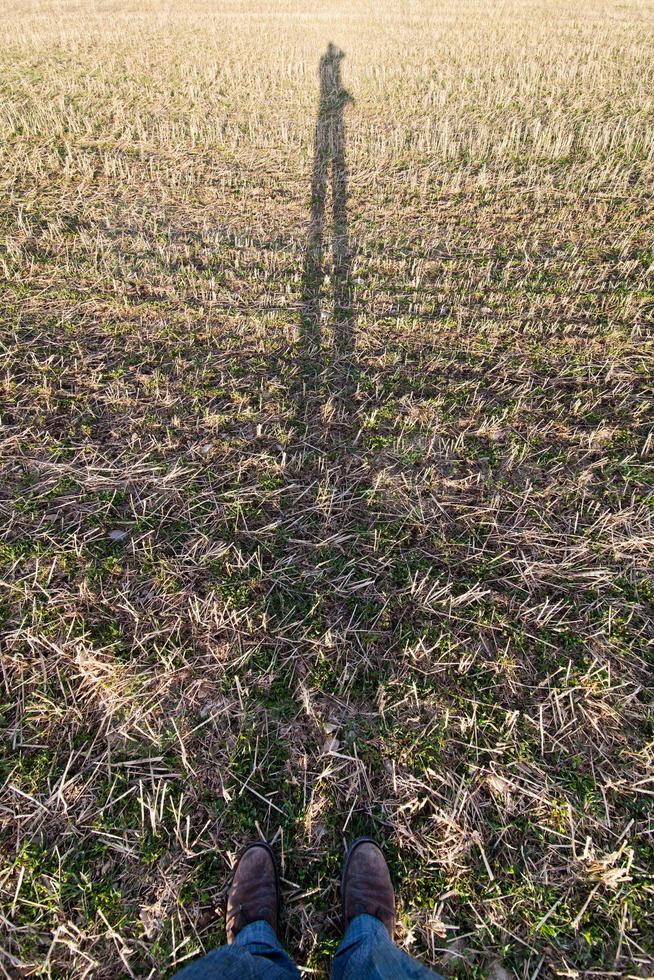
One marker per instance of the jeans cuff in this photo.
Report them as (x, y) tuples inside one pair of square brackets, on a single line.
[(366, 926), (259, 933)]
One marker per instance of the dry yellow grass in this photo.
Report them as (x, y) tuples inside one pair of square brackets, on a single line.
[(388, 570)]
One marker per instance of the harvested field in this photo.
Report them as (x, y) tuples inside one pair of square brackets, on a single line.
[(326, 486)]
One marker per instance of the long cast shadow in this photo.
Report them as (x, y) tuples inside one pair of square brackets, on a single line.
[(329, 154)]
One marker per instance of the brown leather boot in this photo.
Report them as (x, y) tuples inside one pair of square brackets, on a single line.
[(366, 886), (254, 891)]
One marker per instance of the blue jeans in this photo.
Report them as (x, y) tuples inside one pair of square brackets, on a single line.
[(366, 953)]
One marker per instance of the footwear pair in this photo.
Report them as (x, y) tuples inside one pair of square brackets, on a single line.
[(365, 887)]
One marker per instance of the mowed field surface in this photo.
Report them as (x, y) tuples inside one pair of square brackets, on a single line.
[(391, 574)]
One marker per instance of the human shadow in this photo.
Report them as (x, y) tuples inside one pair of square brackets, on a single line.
[(329, 156)]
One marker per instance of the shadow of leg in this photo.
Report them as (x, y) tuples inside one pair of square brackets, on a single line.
[(341, 248), (310, 332)]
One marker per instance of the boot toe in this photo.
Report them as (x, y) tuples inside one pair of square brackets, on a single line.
[(254, 892), (367, 888)]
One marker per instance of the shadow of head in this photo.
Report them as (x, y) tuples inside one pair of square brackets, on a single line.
[(333, 54)]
